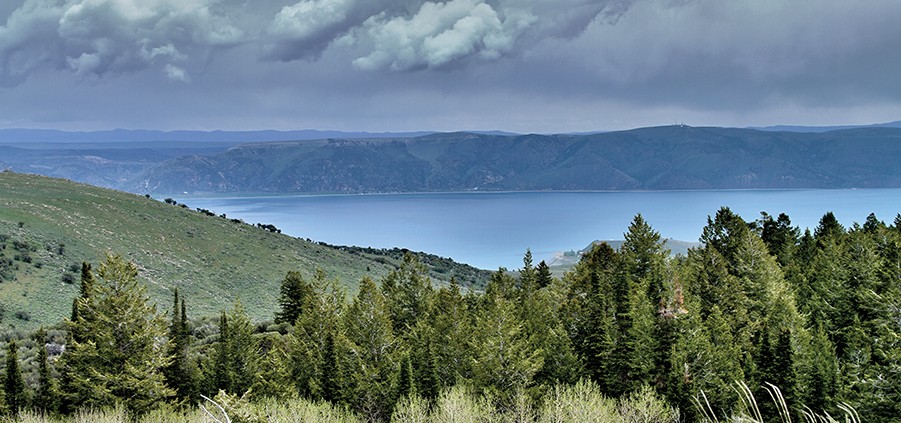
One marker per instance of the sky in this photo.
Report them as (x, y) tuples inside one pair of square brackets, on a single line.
[(541, 66)]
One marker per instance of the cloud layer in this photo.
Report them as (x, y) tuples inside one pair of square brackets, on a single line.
[(94, 38), (101, 37), (525, 64)]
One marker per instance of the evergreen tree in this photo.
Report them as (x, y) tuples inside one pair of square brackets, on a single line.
[(724, 233), (828, 229), (872, 224), (528, 278), (120, 356), (425, 371), (310, 351), (46, 398), (408, 294), (220, 376), (13, 384), (505, 360), (293, 292), (543, 275), (775, 365), (85, 290), (368, 329), (406, 385), (332, 388), (181, 375), (451, 326), (818, 372), (243, 350), (588, 311), (779, 236), (274, 376)]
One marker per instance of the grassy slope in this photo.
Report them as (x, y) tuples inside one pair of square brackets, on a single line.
[(212, 260)]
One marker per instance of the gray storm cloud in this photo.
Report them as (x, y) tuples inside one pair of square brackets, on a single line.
[(96, 38), (351, 57), (427, 34), (101, 37)]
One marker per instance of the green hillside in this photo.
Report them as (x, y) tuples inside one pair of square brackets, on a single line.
[(49, 226)]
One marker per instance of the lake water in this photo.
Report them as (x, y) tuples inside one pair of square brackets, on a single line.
[(489, 230)]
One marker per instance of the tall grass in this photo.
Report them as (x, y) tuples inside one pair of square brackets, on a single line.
[(582, 402), (749, 412)]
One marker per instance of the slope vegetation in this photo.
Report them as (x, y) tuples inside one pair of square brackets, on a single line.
[(49, 226)]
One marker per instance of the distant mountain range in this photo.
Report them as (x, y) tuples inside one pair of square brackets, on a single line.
[(659, 158), (798, 128), (129, 136)]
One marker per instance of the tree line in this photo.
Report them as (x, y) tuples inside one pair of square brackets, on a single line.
[(815, 314)]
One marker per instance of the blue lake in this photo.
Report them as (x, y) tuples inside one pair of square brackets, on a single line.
[(489, 230)]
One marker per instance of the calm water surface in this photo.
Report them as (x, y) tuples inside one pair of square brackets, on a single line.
[(489, 230)]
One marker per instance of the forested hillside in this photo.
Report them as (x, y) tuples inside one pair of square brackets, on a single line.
[(757, 306), (673, 157)]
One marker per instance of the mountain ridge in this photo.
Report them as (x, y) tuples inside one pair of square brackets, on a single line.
[(657, 158)]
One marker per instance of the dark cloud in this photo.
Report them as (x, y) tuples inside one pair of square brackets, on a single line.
[(94, 38), (525, 65)]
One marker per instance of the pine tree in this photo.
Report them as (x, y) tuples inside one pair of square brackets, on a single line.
[(450, 336), (724, 233), (220, 377), (588, 311), (538, 311), (779, 236), (85, 291), (46, 396), (120, 356), (505, 360), (406, 384), (408, 294), (181, 375), (243, 351), (828, 229), (368, 330), (543, 275), (274, 377), (13, 384), (310, 354), (425, 371), (331, 387), (293, 292), (528, 278)]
